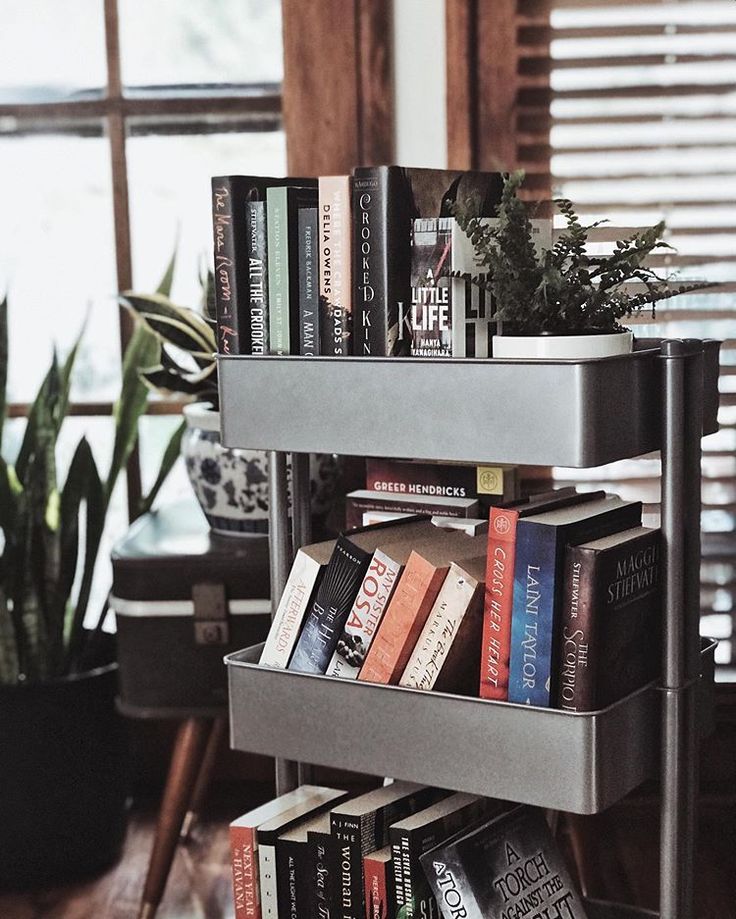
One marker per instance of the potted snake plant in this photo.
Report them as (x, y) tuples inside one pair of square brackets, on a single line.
[(62, 752), (562, 302)]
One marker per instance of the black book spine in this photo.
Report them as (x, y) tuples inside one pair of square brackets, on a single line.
[(231, 277), (257, 276), (288, 882), (308, 282), (401, 865), (322, 848), (381, 261), (326, 618), (347, 834)]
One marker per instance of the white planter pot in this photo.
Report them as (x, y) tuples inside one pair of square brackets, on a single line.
[(562, 347), (231, 485)]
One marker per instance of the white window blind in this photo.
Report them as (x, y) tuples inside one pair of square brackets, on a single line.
[(642, 97)]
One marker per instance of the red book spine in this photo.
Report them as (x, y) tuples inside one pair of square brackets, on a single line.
[(244, 859), (376, 888), (498, 604)]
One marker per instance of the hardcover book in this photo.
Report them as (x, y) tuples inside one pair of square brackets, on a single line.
[(446, 656), (490, 483), (412, 603), (282, 210), (304, 577), (378, 884), (611, 615), (540, 549), (360, 501), (268, 833), (499, 591), (508, 867), (244, 847), (308, 281), (294, 876), (322, 860), (335, 267), (422, 831), (362, 825), (386, 200), (241, 293)]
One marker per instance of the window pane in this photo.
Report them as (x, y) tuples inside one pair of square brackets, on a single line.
[(50, 50), (169, 184), (197, 41), (155, 432), (57, 260)]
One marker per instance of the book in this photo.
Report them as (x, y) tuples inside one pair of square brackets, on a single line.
[(470, 525), (540, 548), (507, 867), (268, 833), (238, 215), (412, 602), (378, 884), (243, 834), (335, 267), (446, 656), (499, 591), (304, 577), (282, 207), (610, 619), (422, 831), (430, 318), (360, 826), (385, 201), (322, 860), (446, 480), (373, 596), (362, 500), (336, 593), (294, 880), (308, 254)]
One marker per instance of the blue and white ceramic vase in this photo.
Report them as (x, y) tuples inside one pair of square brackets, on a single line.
[(231, 485)]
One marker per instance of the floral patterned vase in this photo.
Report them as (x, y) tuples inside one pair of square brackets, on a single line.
[(231, 485)]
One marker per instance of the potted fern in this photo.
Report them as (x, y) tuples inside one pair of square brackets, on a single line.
[(561, 302), (62, 754)]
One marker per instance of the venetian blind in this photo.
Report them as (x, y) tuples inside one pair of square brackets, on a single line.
[(633, 105)]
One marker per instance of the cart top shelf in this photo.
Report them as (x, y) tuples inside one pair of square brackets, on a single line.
[(564, 413)]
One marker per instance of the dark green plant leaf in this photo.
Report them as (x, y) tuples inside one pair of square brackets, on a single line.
[(164, 287)]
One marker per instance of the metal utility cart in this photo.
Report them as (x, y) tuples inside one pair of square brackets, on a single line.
[(569, 413)]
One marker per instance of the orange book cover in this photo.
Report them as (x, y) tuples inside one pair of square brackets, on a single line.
[(403, 620)]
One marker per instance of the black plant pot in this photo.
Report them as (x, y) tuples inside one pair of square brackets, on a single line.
[(62, 778)]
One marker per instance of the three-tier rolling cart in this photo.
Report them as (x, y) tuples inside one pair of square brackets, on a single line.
[(579, 414)]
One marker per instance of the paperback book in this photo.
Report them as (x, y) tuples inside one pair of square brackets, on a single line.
[(362, 501), (335, 288), (398, 478)]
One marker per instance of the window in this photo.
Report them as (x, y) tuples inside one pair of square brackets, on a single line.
[(113, 116)]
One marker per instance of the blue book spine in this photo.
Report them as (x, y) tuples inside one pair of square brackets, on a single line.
[(532, 619)]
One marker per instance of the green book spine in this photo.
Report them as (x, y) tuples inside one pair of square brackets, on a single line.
[(278, 270)]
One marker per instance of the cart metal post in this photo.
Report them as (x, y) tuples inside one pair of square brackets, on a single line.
[(682, 427)]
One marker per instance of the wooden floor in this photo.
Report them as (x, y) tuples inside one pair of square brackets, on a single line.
[(623, 865)]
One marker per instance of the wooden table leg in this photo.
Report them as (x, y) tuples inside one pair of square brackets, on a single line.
[(189, 748), (201, 787)]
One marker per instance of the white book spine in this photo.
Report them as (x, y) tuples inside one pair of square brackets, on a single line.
[(365, 616), (267, 879), (440, 629), (292, 609)]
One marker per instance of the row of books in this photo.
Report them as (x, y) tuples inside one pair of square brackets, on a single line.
[(352, 265), (555, 603), (400, 850)]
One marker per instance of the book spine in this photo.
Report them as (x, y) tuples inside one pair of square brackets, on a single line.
[(365, 616), (257, 277), (336, 320), (287, 882), (225, 230), (244, 858), (377, 886), (349, 886), (403, 621), (326, 619), (322, 850), (267, 875), (308, 282), (578, 657), (278, 270), (396, 478), (356, 507), (293, 606), (498, 605), (401, 863), (533, 614)]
